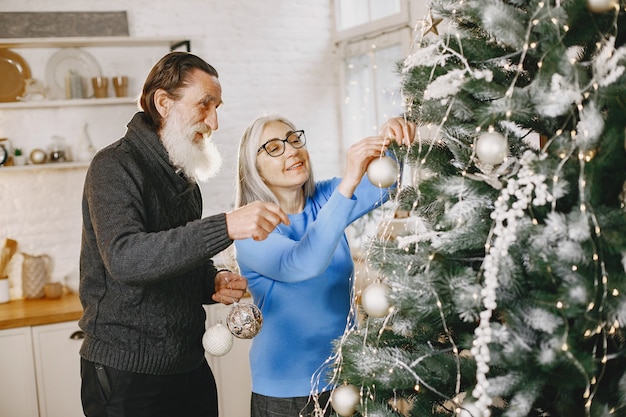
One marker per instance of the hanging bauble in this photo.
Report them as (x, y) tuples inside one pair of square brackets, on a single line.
[(217, 340), (375, 299), (601, 6), (469, 409), (383, 171), (345, 400), (492, 148), (244, 320)]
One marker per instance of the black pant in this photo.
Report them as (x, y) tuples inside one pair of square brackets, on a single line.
[(262, 406), (108, 392)]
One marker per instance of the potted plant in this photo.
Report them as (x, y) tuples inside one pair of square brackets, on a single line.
[(18, 157)]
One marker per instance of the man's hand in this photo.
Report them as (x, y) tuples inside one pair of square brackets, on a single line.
[(229, 287), (255, 220)]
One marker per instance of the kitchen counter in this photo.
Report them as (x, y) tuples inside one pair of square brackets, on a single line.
[(19, 313)]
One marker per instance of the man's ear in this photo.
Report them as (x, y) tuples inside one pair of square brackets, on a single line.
[(162, 102)]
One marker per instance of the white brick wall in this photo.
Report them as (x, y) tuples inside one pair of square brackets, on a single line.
[(275, 55)]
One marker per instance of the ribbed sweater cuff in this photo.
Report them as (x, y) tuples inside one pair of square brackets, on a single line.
[(215, 234)]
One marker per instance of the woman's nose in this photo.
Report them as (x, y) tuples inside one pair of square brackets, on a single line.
[(290, 150)]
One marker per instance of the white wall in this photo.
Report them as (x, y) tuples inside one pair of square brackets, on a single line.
[(275, 55)]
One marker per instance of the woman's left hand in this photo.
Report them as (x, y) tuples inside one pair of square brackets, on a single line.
[(399, 130), (229, 287)]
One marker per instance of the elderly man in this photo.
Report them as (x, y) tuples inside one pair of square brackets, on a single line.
[(145, 262)]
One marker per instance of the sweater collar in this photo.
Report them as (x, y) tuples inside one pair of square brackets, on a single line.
[(149, 138)]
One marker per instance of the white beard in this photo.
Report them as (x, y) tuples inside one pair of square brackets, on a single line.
[(199, 161)]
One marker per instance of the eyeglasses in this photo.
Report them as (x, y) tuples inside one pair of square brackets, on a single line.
[(276, 147)]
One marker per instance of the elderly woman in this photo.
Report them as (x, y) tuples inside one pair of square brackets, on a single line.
[(300, 275)]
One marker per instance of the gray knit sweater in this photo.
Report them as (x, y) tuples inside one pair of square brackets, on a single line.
[(145, 267)]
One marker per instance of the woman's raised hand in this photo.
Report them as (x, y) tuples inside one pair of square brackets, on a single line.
[(358, 157), (399, 130)]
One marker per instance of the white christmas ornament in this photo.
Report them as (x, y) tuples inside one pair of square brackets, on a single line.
[(492, 148), (375, 299), (601, 6), (382, 172), (244, 320), (217, 340), (345, 400), (469, 409)]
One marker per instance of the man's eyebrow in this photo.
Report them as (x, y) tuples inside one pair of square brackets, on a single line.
[(208, 99)]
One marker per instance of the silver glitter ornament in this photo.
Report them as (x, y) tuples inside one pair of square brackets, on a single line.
[(244, 320)]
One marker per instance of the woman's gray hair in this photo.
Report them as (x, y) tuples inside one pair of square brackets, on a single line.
[(250, 186)]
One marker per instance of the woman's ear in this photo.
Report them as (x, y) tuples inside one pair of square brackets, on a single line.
[(162, 102)]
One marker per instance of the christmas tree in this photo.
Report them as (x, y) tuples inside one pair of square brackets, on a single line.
[(505, 292)]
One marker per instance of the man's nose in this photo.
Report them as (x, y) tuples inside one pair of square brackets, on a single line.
[(211, 120)]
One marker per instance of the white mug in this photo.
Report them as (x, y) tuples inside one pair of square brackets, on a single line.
[(4, 290)]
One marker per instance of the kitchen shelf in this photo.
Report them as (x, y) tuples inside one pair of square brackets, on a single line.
[(82, 41), (43, 167), (92, 106), (67, 42), (42, 104)]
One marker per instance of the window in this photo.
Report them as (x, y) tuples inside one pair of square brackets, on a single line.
[(357, 17), (371, 85), (351, 13), (373, 37)]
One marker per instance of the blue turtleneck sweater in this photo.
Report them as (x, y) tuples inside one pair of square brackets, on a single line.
[(300, 278)]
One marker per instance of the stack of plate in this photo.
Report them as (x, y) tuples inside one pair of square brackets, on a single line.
[(66, 61), (14, 71)]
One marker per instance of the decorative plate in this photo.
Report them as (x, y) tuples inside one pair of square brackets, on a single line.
[(65, 60), (14, 72)]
